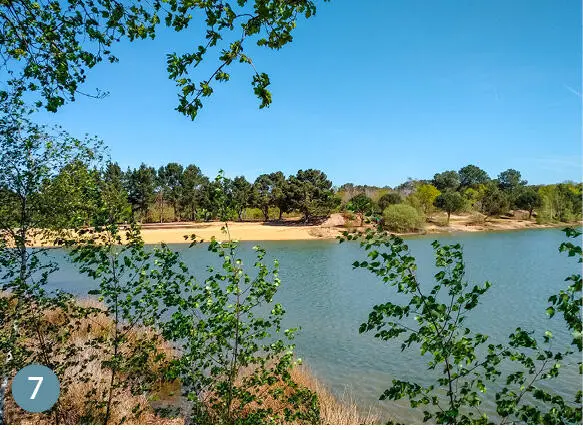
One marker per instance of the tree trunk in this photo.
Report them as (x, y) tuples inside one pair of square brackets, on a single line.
[(280, 214), (530, 213), (448, 216), (266, 213), (176, 214)]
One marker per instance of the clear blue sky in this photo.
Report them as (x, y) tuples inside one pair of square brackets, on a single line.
[(370, 91)]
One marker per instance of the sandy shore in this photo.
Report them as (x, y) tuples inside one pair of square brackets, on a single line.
[(174, 233), (335, 225), (238, 230)]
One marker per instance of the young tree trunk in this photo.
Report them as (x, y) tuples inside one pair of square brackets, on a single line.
[(280, 214), (530, 213), (265, 211), (448, 216)]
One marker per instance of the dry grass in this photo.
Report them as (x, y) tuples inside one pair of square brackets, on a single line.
[(333, 410), (343, 411), (73, 407)]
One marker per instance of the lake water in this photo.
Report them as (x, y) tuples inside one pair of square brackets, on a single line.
[(329, 300)]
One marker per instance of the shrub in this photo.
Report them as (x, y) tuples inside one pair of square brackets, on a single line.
[(402, 218)]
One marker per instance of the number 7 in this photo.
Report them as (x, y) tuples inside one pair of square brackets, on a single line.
[(39, 380)]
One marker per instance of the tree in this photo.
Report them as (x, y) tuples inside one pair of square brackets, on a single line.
[(311, 193), (433, 319), (280, 193), (529, 200), (114, 197), (390, 198), (450, 202), (241, 193), (192, 196), (141, 184), (472, 175), (510, 180), (75, 191), (494, 202), (447, 181), (262, 196), (53, 63), (34, 214), (234, 363), (170, 178), (361, 205), (426, 194)]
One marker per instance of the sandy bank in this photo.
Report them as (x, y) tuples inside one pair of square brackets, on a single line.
[(238, 230), (335, 225), (174, 233)]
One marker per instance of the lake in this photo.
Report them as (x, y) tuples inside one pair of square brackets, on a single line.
[(329, 300)]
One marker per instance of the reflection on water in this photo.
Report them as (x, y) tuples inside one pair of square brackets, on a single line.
[(329, 300)]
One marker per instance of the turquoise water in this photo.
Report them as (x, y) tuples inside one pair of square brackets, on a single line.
[(329, 300)]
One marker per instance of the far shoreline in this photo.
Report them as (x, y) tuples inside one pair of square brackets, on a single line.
[(178, 233), (247, 231)]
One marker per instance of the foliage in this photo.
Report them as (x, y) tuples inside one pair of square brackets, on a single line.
[(361, 205), (128, 277), (54, 63), (402, 218), (262, 197), (280, 193), (560, 202), (114, 196), (529, 200), (447, 181), (389, 199), (426, 195), (170, 179), (193, 198), (141, 184), (34, 210), (472, 175), (493, 201), (241, 191), (311, 193), (510, 180), (232, 359), (450, 202), (434, 320)]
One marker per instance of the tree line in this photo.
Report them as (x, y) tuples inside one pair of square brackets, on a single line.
[(177, 193), (470, 189), (174, 192)]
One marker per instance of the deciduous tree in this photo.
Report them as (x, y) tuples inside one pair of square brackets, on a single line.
[(450, 202)]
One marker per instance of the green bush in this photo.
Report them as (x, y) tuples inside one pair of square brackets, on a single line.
[(402, 218)]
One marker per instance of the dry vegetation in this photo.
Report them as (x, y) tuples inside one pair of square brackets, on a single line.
[(73, 407), (342, 411)]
